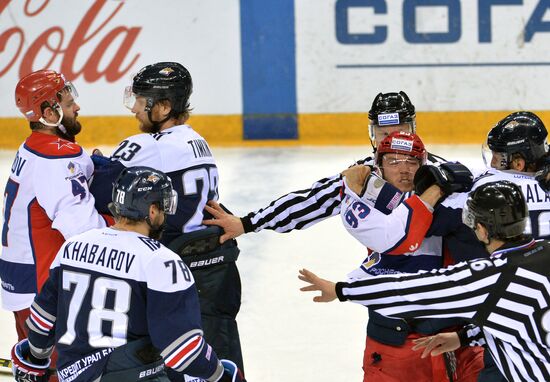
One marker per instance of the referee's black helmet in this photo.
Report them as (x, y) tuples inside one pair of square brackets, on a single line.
[(500, 207)]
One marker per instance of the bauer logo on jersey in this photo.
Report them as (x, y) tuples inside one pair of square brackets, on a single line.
[(401, 144), (388, 119)]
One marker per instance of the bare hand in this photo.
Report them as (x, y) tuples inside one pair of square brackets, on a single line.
[(438, 344), (327, 288), (356, 176), (231, 224)]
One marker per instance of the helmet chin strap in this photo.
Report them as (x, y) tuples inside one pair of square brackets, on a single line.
[(156, 124), (58, 123)]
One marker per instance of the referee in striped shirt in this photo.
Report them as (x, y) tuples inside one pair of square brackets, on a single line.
[(506, 297)]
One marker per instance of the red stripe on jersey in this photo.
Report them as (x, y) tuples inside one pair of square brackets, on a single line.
[(45, 241), (184, 352), (40, 321), (419, 223)]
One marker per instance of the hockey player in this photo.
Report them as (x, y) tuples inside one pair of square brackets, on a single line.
[(301, 209), (46, 199), (119, 304), (518, 145), (388, 355), (159, 98), (505, 295)]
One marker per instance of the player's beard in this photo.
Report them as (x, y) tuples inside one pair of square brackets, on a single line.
[(155, 232), (70, 128)]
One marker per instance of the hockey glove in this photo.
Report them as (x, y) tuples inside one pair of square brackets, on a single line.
[(543, 174), (25, 370), (450, 177), (231, 372), (100, 160)]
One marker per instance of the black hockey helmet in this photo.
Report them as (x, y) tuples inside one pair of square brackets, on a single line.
[(391, 109), (136, 188), (161, 81), (500, 207), (521, 133)]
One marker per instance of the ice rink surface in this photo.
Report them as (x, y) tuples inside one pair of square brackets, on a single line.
[(284, 335)]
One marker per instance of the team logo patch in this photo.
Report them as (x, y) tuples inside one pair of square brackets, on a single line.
[(388, 119), (71, 167), (373, 259), (153, 178), (166, 71), (510, 125), (401, 144)]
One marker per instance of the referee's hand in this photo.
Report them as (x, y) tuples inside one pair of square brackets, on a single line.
[(327, 288), (438, 344), (231, 224)]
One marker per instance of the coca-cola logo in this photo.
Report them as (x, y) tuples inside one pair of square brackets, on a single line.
[(55, 41)]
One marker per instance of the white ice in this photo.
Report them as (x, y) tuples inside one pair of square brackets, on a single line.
[(284, 335)]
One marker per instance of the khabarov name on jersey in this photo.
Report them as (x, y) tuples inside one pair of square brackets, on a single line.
[(92, 254)]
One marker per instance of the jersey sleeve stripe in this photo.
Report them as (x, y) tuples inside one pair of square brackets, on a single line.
[(40, 322), (185, 353)]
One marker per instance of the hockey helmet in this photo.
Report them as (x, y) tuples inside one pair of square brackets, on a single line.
[(500, 207), (521, 133), (161, 81), (400, 142), (391, 109), (136, 188), (37, 88)]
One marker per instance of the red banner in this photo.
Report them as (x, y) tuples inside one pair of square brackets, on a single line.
[(69, 45)]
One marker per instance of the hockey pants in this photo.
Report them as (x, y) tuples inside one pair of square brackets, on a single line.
[(386, 363)]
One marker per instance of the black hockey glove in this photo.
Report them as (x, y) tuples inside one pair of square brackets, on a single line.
[(543, 174), (450, 177)]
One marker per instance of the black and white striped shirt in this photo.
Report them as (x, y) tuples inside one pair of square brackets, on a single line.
[(303, 208), (507, 296)]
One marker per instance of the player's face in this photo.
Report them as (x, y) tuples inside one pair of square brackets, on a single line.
[(381, 132), (399, 170), (157, 224), (70, 113), (138, 109), (499, 161)]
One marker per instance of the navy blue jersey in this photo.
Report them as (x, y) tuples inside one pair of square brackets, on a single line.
[(184, 156), (109, 287)]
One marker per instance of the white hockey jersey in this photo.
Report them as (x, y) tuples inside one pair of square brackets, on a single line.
[(46, 201), (385, 236), (184, 156)]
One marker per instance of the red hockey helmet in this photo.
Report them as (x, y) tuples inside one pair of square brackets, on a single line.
[(400, 142), (38, 87)]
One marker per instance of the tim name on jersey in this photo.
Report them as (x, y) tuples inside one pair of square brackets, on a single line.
[(102, 256)]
